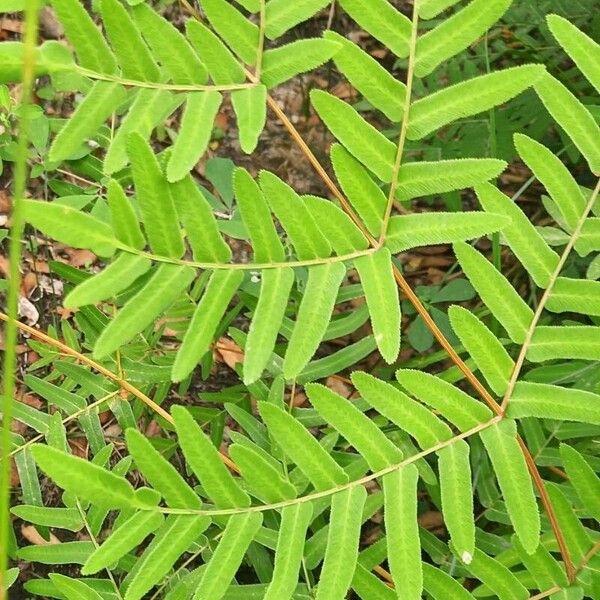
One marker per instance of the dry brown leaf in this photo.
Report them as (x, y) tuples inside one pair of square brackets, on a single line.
[(32, 535), (229, 352)]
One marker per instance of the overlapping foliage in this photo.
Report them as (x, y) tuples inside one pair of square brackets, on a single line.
[(283, 520)]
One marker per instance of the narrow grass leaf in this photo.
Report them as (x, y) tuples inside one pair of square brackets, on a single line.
[(174, 537), (122, 540), (204, 460), (250, 106), (313, 317), (306, 452), (240, 34), (381, 293), (275, 288), (123, 218), (366, 197), (513, 477), (100, 103), (282, 15), (583, 479), (118, 276), (383, 22), (546, 401), (483, 347), (469, 98), (577, 341), (70, 226), (257, 218), (207, 316), (303, 231), (496, 291), (164, 287), (295, 520), (524, 239), (456, 33), (379, 87), (428, 229), (195, 131), (360, 138), (173, 51), (360, 431), (83, 478), (402, 531), (226, 559)]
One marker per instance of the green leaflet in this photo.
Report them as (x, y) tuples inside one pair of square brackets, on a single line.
[(381, 292), (442, 586), (575, 295), (427, 229), (273, 300), (375, 83), (547, 401), (432, 8), (295, 520), (497, 577), (62, 518), (84, 479), (165, 286), (511, 471), (573, 117), (257, 218), (359, 430), (252, 6), (401, 410), (118, 276), (201, 228), (238, 32), (123, 219), (174, 52), (154, 199), (282, 15), (207, 316), (90, 46), (382, 21), (583, 479), (74, 553), (589, 238), (70, 226), (222, 66), (457, 497), (304, 450), (294, 216), (345, 237), (456, 406), (122, 540), (250, 106), (555, 176), (281, 64), (73, 589), (483, 346), (544, 568), (313, 317), (195, 130), (426, 178), (368, 585), (102, 101), (133, 55), (361, 139), (583, 50), (550, 343), (226, 559), (169, 543), (149, 109), (160, 473), (263, 479), (402, 531), (205, 462), (522, 237), (496, 291), (342, 543), (365, 195), (469, 98), (456, 33)]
